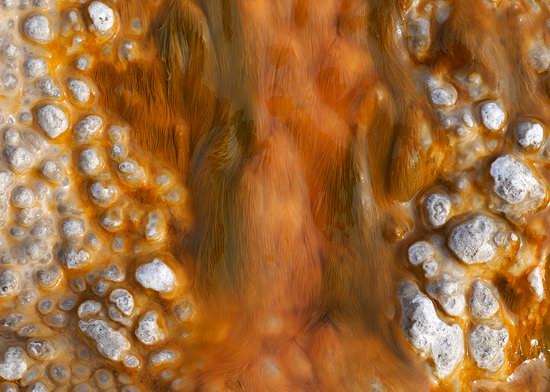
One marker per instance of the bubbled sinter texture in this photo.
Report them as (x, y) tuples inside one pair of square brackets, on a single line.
[(274, 195)]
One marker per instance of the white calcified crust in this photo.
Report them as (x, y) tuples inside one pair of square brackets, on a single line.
[(102, 16), (156, 275), (53, 120), (449, 292), (110, 343), (438, 208), (419, 252), (529, 135), (487, 346), (148, 331), (483, 303), (472, 241), (67, 170), (517, 186), (492, 116), (427, 333)]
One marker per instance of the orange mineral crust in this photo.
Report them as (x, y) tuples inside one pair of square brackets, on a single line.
[(274, 195)]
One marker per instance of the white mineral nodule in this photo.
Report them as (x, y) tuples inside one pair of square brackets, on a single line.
[(14, 364), (449, 292), (102, 16), (472, 241), (52, 119), (9, 283), (514, 181), (79, 89), (483, 303), (420, 252), (156, 275), (148, 331), (529, 134), (492, 116), (37, 28), (443, 95), (487, 346), (87, 128), (535, 280), (438, 208), (123, 300)]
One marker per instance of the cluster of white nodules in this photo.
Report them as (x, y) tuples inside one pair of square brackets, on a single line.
[(428, 334), (52, 243), (422, 253), (448, 290), (486, 344), (461, 120), (519, 192)]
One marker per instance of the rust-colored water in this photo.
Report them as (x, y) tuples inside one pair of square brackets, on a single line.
[(302, 143)]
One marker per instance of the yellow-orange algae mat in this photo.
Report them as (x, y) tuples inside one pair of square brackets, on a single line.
[(274, 195)]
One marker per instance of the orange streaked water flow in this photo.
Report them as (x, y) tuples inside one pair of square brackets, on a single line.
[(274, 195)]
